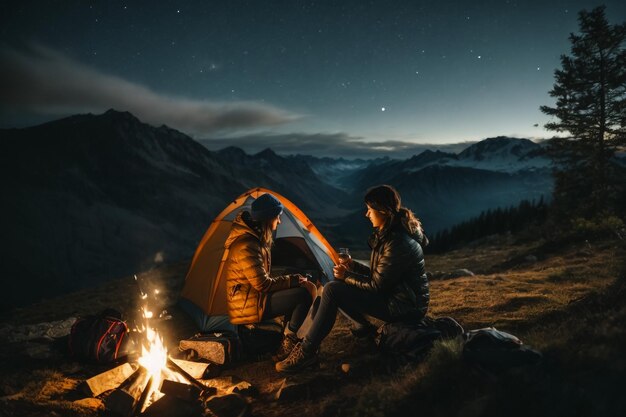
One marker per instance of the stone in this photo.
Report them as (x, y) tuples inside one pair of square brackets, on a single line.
[(293, 390), (244, 388), (91, 403), (230, 405), (458, 273)]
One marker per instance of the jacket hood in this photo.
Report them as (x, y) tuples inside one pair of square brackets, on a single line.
[(242, 225)]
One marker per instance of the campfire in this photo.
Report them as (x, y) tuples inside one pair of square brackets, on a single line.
[(145, 379)]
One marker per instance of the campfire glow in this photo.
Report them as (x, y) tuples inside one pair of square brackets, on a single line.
[(154, 359)]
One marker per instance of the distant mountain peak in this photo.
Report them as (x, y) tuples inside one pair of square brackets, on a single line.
[(498, 145), (267, 153), (232, 151), (120, 115)]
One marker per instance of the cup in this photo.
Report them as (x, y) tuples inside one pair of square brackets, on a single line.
[(344, 255)]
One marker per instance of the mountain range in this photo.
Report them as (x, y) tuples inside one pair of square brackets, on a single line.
[(94, 197)]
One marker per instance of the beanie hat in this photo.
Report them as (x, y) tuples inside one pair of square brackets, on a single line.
[(265, 207)]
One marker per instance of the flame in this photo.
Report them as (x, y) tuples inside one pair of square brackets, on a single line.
[(153, 358)]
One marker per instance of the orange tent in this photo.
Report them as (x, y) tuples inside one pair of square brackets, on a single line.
[(298, 247)]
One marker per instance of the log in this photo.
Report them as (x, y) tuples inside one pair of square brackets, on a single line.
[(182, 391), (195, 369), (123, 399), (144, 397), (173, 366), (108, 380)]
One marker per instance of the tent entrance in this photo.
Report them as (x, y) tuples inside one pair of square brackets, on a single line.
[(291, 255)]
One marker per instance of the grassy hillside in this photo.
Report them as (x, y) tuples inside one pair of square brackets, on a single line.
[(566, 300)]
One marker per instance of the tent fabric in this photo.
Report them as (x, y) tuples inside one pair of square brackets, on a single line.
[(204, 285)]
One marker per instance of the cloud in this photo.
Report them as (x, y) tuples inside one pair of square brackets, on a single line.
[(44, 81), (332, 145)]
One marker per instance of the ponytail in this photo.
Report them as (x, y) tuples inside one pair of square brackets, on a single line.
[(412, 224)]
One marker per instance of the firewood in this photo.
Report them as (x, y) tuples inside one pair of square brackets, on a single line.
[(173, 366), (183, 391), (123, 399), (195, 369), (108, 380)]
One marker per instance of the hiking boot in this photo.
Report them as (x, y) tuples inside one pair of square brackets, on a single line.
[(298, 360), (289, 342)]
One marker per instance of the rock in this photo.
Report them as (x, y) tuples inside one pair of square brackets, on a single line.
[(243, 388), (223, 383), (458, 273), (345, 367), (436, 275), (91, 403), (293, 389), (531, 259), (230, 405)]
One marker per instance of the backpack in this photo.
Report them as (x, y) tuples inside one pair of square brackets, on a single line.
[(98, 337), (411, 341), (449, 327), (496, 351)]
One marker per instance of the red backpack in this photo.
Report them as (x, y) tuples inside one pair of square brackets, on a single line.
[(98, 337)]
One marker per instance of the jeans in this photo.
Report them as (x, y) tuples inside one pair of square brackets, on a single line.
[(293, 303), (354, 303)]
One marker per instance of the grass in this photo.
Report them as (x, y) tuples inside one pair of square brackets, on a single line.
[(567, 301)]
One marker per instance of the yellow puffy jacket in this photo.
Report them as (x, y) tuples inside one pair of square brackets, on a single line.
[(247, 273)]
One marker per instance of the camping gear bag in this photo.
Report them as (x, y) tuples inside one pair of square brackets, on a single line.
[(221, 348), (98, 337), (410, 341), (495, 350), (449, 327)]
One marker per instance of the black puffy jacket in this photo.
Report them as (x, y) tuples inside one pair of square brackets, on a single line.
[(397, 271)]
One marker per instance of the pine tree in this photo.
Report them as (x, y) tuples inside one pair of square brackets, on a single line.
[(590, 92)]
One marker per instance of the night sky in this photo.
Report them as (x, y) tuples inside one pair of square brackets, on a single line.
[(369, 71)]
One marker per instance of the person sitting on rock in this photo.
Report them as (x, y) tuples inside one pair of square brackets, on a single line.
[(393, 288), (252, 295)]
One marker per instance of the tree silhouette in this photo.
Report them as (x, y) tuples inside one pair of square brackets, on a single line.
[(590, 92)]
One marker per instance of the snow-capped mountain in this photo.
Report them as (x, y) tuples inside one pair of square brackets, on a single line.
[(334, 171), (504, 154)]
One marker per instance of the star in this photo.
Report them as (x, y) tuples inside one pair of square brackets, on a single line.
[(382, 109)]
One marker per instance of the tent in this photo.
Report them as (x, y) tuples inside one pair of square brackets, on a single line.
[(298, 247)]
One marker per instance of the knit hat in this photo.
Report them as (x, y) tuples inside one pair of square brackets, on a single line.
[(265, 207)]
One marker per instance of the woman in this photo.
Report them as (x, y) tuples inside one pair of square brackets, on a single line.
[(394, 288), (252, 295)]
